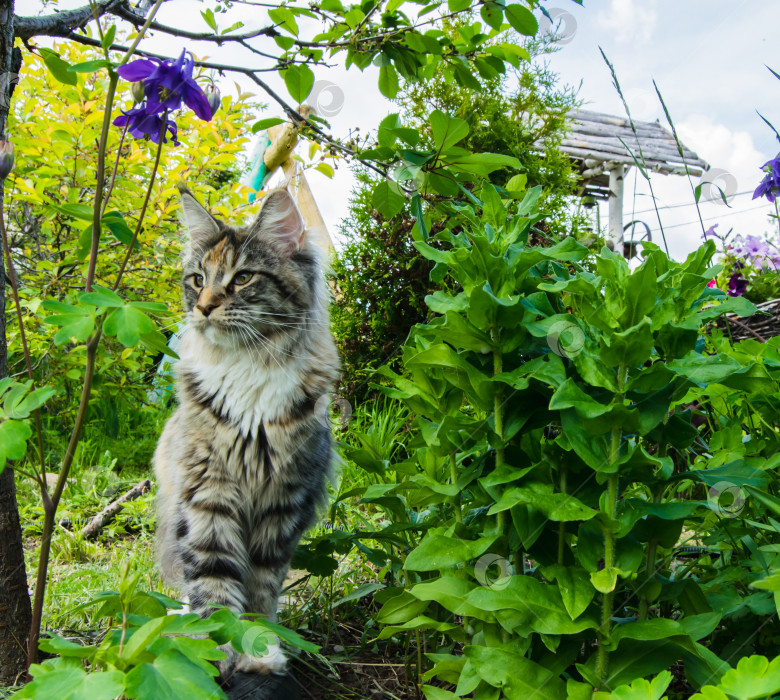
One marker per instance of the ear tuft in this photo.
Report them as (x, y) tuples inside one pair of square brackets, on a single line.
[(280, 221), (201, 225)]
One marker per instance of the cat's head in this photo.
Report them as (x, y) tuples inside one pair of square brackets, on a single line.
[(247, 285)]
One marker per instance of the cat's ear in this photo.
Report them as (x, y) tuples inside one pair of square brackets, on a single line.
[(200, 225), (280, 221)]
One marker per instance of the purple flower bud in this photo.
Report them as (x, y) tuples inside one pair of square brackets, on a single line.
[(138, 91), (6, 159), (214, 98)]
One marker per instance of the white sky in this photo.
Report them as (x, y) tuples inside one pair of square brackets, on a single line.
[(707, 57)]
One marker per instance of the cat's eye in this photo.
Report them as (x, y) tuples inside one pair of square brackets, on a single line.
[(242, 278), (197, 281)]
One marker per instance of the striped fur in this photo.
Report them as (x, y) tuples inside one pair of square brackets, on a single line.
[(242, 463)]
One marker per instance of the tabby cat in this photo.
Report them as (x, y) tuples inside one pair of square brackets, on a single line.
[(241, 465)]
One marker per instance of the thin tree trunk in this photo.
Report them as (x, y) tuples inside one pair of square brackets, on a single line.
[(15, 610)]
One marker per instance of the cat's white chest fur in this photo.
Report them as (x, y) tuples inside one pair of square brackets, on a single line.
[(247, 387)]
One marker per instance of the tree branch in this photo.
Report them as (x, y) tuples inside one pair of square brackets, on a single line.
[(62, 24), (127, 14)]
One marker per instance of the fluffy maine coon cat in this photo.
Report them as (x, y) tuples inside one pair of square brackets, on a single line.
[(242, 463)]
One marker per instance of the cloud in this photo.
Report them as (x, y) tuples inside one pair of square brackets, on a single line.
[(629, 20)]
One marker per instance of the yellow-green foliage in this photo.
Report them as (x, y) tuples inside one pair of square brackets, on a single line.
[(55, 129)]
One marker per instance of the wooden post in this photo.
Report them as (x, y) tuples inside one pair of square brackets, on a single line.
[(616, 208), (301, 192)]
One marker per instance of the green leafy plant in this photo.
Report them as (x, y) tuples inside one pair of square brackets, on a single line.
[(146, 652), (557, 460)]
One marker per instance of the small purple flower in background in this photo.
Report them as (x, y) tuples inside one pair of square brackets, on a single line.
[(737, 285), (755, 247), (710, 231), (770, 185), (166, 85)]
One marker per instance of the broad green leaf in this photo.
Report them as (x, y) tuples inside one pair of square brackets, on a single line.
[(754, 677), (388, 198), (58, 68), (640, 689), (172, 675), (72, 683), (388, 81), (570, 395), (400, 609), (447, 130), (519, 677), (440, 552), (264, 124), (540, 605), (143, 636), (299, 80), (102, 297), (13, 440), (574, 586), (558, 507), (737, 473), (128, 324), (450, 592), (522, 19), (115, 222), (89, 66), (72, 327)]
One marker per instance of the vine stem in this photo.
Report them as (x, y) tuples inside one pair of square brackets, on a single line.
[(602, 659), (50, 504), (456, 503), (498, 417), (40, 477)]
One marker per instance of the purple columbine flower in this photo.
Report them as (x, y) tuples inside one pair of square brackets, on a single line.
[(168, 83), (142, 124), (737, 285), (770, 185)]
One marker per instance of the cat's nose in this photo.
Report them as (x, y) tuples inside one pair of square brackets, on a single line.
[(206, 307)]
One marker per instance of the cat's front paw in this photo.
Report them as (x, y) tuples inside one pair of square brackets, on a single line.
[(227, 666), (273, 662)]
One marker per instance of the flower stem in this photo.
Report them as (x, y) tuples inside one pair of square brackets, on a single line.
[(145, 204), (99, 181), (114, 171)]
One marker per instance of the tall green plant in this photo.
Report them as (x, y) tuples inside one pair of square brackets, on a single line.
[(555, 454)]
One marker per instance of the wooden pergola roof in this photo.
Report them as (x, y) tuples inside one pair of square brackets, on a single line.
[(594, 143)]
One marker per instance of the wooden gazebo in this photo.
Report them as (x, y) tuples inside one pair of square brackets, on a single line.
[(599, 146)]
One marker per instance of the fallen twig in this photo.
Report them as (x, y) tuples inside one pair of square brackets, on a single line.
[(94, 526)]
